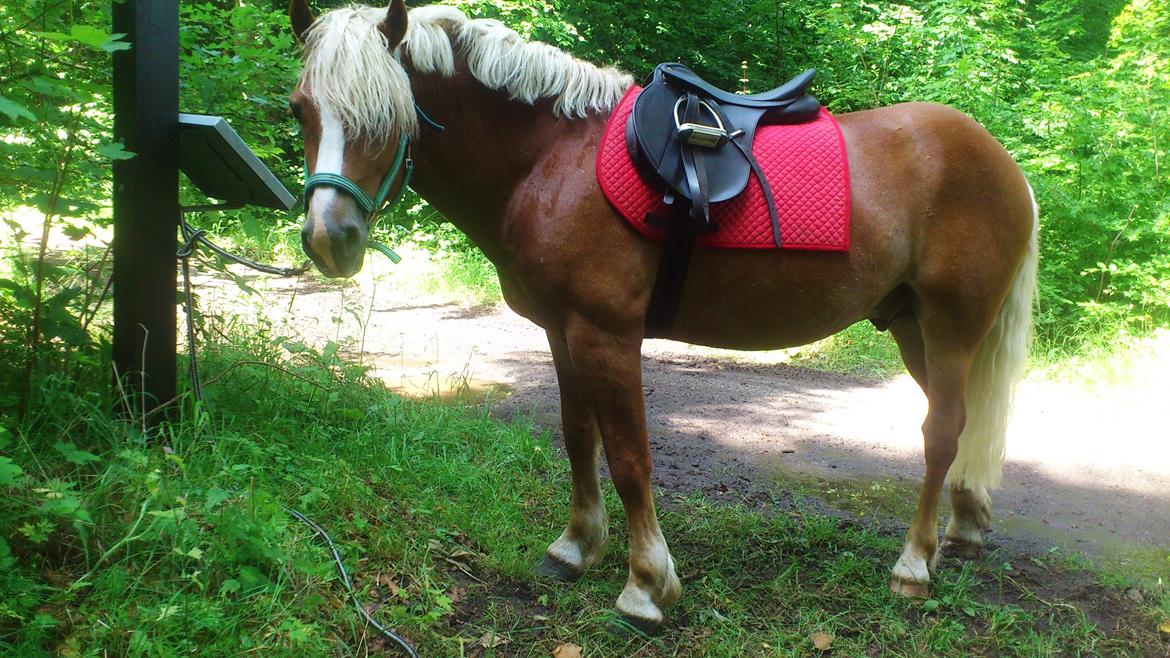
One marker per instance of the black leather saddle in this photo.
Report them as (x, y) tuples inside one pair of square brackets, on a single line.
[(697, 139)]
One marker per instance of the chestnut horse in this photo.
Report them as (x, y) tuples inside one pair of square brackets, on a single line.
[(943, 254)]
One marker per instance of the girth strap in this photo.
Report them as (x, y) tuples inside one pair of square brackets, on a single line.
[(669, 281)]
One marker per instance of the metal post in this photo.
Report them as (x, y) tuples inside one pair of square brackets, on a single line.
[(146, 199)]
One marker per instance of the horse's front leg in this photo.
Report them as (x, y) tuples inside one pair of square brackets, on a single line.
[(582, 543), (609, 368)]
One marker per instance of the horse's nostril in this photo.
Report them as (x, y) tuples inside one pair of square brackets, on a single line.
[(353, 232)]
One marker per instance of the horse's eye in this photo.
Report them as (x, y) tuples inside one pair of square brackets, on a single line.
[(295, 108)]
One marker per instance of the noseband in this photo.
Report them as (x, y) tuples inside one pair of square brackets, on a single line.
[(373, 207)]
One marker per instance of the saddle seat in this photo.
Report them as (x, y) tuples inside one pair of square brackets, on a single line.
[(780, 96), (697, 139)]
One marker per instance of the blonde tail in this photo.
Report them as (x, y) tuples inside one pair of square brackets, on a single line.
[(998, 365)]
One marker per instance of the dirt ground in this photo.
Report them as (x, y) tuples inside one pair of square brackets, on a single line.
[(1088, 470)]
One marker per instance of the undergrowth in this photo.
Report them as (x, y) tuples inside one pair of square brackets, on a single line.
[(177, 541)]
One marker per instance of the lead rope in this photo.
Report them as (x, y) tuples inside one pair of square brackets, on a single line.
[(192, 238)]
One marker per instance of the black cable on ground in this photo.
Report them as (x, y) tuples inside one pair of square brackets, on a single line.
[(402, 643)]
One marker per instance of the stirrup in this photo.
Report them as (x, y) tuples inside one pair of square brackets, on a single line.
[(699, 134)]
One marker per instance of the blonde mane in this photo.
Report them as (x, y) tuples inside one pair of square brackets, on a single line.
[(350, 70), (501, 59)]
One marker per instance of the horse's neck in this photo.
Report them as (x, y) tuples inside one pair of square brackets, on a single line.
[(489, 145)]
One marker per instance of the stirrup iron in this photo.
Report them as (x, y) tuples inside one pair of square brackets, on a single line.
[(699, 134)]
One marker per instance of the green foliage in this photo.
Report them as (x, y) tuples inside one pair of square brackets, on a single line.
[(56, 147), (240, 62)]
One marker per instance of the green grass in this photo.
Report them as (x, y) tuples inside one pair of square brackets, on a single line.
[(859, 350), (465, 274), (116, 542), (1105, 361)]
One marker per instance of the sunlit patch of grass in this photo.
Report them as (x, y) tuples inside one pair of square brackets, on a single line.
[(469, 275), (462, 273), (1105, 362), (858, 350)]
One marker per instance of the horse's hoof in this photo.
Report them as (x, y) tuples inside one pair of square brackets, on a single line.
[(550, 567), (626, 626), (962, 550), (909, 588)]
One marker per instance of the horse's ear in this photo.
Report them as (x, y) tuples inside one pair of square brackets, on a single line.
[(394, 25), (301, 18)]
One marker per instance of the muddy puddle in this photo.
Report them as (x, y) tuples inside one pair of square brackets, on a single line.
[(423, 379)]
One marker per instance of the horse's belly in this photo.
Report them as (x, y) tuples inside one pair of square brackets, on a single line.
[(771, 300)]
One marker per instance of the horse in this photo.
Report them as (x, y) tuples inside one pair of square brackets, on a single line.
[(943, 255)]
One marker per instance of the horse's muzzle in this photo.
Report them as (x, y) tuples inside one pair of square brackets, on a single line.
[(336, 244)]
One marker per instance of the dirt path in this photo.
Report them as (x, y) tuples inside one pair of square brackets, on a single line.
[(1086, 471)]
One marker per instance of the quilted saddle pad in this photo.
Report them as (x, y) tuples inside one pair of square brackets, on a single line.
[(805, 164)]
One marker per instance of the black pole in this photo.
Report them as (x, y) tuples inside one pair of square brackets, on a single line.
[(146, 200)]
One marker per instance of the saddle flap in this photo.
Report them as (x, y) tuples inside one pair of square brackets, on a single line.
[(651, 138)]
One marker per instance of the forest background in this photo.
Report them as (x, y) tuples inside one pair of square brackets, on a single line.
[(1077, 90)]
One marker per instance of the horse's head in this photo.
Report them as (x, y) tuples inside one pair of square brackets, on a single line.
[(356, 112)]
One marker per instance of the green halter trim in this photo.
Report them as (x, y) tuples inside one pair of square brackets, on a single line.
[(372, 207)]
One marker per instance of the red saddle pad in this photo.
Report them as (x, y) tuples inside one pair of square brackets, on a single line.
[(805, 164)]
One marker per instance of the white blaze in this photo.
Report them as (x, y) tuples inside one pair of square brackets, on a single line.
[(330, 159)]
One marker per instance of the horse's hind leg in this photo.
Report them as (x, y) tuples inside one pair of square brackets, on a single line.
[(582, 543), (947, 347), (970, 516), (970, 507)]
